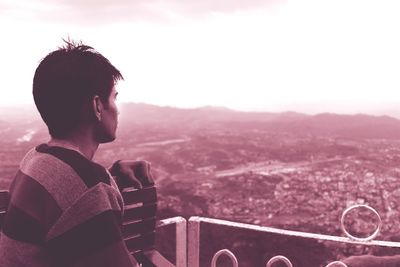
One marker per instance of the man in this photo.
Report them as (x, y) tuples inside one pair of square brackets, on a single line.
[(66, 210)]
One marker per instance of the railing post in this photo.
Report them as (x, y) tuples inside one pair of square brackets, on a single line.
[(181, 243), (180, 237), (194, 242)]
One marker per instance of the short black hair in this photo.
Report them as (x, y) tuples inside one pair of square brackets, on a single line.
[(66, 80)]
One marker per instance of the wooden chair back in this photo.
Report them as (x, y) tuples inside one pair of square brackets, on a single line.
[(139, 221), (4, 199)]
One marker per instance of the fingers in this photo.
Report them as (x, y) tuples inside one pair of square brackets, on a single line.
[(142, 171), (149, 175), (132, 173), (135, 182), (126, 178)]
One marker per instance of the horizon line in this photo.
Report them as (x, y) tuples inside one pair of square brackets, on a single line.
[(390, 112)]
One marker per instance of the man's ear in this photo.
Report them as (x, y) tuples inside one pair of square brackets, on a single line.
[(97, 106)]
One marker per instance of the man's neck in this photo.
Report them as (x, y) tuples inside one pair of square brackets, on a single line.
[(86, 146)]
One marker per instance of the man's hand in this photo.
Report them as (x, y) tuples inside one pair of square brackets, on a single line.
[(132, 173)]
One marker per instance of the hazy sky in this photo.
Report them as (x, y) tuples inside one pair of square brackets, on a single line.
[(306, 55)]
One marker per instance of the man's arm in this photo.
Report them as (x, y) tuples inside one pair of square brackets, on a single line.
[(89, 232)]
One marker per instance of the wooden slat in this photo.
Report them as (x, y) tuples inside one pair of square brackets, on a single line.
[(139, 227), (139, 220), (145, 195), (143, 242), (2, 215), (143, 259), (4, 199), (142, 212)]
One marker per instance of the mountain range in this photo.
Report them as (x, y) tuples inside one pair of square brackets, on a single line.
[(337, 125), (14, 122)]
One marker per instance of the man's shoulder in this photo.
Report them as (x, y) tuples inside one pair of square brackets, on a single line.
[(63, 173), (53, 176), (42, 163), (61, 161)]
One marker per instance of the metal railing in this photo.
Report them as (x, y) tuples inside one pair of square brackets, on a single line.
[(188, 236), (194, 235), (180, 237)]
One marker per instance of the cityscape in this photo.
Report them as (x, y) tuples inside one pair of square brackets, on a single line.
[(252, 167)]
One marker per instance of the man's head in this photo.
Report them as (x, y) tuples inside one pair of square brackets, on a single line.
[(72, 86)]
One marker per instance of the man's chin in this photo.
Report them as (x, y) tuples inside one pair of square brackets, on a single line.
[(106, 139)]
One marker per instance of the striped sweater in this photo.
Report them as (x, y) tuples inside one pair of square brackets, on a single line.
[(64, 210)]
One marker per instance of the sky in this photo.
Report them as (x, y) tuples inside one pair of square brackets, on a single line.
[(308, 56)]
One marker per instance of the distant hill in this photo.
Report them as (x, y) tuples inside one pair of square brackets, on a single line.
[(348, 126), (136, 116)]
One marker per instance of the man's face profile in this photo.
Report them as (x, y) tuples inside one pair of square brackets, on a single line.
[(107, 125)]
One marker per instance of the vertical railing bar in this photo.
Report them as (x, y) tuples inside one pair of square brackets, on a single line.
[(180, 237), (181, 243), (194, 242)]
